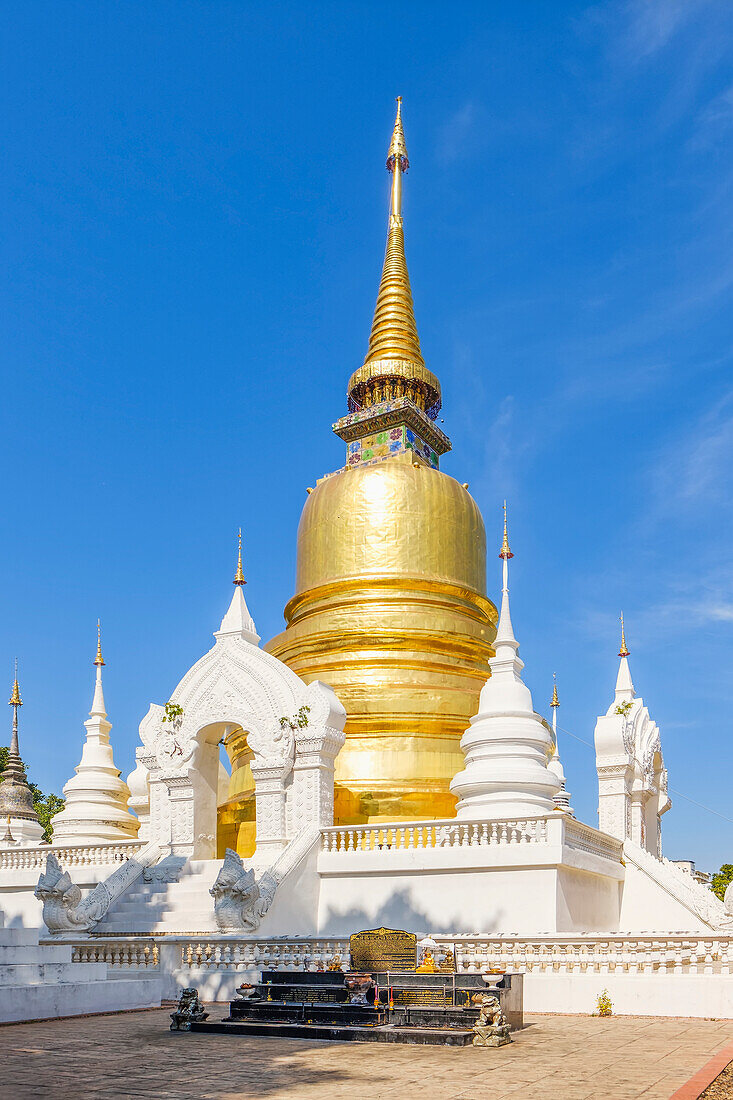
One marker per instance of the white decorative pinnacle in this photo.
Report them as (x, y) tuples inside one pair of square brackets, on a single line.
[(238, 620), (98, 706), (625, 692), (562, 798), (506, 661)]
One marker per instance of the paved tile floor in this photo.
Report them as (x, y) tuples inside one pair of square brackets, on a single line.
[(554, 1058)]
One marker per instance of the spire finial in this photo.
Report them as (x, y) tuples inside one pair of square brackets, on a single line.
[(555, 701), (15, 699), (505, 552), (623, 652), (239, 575), (397, 154), (98, 660)]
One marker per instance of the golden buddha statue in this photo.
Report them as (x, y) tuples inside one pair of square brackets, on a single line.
[(390, 604)]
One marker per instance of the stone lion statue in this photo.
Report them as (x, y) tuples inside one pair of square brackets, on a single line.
[(189, 1011), (491, 1028)]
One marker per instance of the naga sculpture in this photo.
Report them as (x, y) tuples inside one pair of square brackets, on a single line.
[(236, 894), (64, 908), (241, 900)]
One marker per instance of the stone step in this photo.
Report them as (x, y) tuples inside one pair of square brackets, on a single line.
[(12, 937), (37, 973), (339, 1033), (47, 1002), (147, 927), (35, 953)]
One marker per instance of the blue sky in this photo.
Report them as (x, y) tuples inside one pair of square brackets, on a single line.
[(194, 202)]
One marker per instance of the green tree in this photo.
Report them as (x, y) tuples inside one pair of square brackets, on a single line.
[(722, 879), (45, 805)]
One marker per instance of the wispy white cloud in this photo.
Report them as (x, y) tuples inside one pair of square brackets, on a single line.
[(459, 132), (714, 122), (695, 471), (652, 24)]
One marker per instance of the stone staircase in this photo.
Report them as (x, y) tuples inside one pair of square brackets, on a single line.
[(183, 906), (40, 982), (698, 899)]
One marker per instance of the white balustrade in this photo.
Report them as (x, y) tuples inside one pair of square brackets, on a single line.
[(400, 836), (127, 954), (76, 855), (587, 839), (600, 954), (594, 953)]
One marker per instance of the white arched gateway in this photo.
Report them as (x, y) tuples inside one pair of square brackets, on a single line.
[(291, 733)]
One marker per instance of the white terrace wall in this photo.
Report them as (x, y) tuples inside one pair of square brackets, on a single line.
[(526, 876), (654, 975)]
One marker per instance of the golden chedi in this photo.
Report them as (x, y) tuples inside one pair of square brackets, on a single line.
[(390, 605)]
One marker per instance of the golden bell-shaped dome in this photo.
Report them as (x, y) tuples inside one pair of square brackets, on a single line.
[(390, 610)]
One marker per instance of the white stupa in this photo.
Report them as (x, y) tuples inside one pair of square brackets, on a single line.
[(508, 745), (96, 810)]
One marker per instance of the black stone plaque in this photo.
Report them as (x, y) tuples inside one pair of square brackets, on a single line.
[(383, 949), (422, 997), (308, 996)]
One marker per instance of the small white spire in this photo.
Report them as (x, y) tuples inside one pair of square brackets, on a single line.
[(625, 691), (506, 645), (554, 703), (98, 707), (238, 620), (562, 798)]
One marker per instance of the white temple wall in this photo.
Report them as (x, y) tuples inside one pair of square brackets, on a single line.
[(452, 902), (20, 907), (697, 995), (646, 907), (588, 903)]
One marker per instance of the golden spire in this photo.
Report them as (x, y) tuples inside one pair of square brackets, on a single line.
[(239, 575), (397, 146), (623, 652), (394, 346), (555, 701), (505, 552), (98, 659), (15, 699)]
